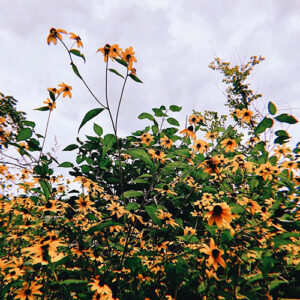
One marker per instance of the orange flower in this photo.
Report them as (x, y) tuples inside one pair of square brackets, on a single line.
[(229, 145), (77, 39), (51, 104), (157, 155), (147, 138), (54, 34), (219, 213), (215, 255), (128, 56), (65, 89), (27, 292), (194, 119), (200, 146), (211, 135), (166, 142), (189, 132), (210, 165), (246, 115)]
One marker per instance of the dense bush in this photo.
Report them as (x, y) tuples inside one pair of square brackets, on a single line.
[(209, 211)]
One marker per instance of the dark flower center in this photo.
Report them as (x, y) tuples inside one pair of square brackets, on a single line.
[(215, 253), (193, 120), (128, 56), (83, 203), (27, 292), (217, 210), (246, 114), (13, 273), (66, 89), (229, 143), (264, 209), (157, 152), (190, 128), (165, 188), (48, 204)]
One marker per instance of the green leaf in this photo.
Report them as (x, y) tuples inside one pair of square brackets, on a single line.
[(77, 53), (52, 96), (70, 147), (43, 108), (175, 108), (154, 129), (135, 78), (72, 281), (132, 194), (90, 115), (152, 212), (98, 129), (66, 164), (263, 125), (281, 140), (132, 206), (29, 123), (173, 121), (116, 72), (142, 155), (272, 108), (24, 134), (158, 112), (282, 133), (46, 187), (108, 141), (121, 61), (75, 70), (286, 118), (145, 115)]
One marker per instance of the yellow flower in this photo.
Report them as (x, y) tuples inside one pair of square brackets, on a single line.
[(200, 146), (215, 255), (65, 89), (147, 138), (166, 142), (77, 39), (219, 213), (27, 292), (246, 115), (189, 230), (157, 155), (211, 135), (229, 145), (128, 56), (189, 132), (51, 104), (54, 34)]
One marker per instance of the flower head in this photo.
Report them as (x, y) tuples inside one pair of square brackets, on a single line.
[(54, 35), (219, 213), (65, 89), (77, 39), (128, 56), (215, 255)]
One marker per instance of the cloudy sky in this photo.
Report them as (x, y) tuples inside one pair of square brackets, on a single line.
[(174, 42)]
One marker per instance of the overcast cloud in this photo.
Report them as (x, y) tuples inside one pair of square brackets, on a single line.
[(174, 42)]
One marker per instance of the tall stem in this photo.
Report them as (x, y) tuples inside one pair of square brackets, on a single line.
[(45, 135)]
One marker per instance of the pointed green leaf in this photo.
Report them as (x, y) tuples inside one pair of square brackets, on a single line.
[(173, 121), (272, 108), (175, 108), (146, 116), (75, 70), (116, 72), (24, 134), (43, 108), (286, 118), (52, 96), (121, 61), (71, 147), (135, 78), (108, 141), (263, 125), (142, 155), (66, 164), (90, 115), (98, 129), (132, 194), (77, 53)]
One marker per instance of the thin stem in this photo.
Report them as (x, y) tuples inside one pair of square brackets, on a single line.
[(45, 135), (72, 63), (117, 115)]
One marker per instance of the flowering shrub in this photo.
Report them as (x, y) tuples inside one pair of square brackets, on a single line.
[(209, 211)]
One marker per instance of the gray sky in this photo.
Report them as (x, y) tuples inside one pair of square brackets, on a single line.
[(174, 42)]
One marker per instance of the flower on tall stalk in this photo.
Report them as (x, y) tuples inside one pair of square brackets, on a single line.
[(189, 132), (77, 39), (54, 35), (128, 56), (65, 89)]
